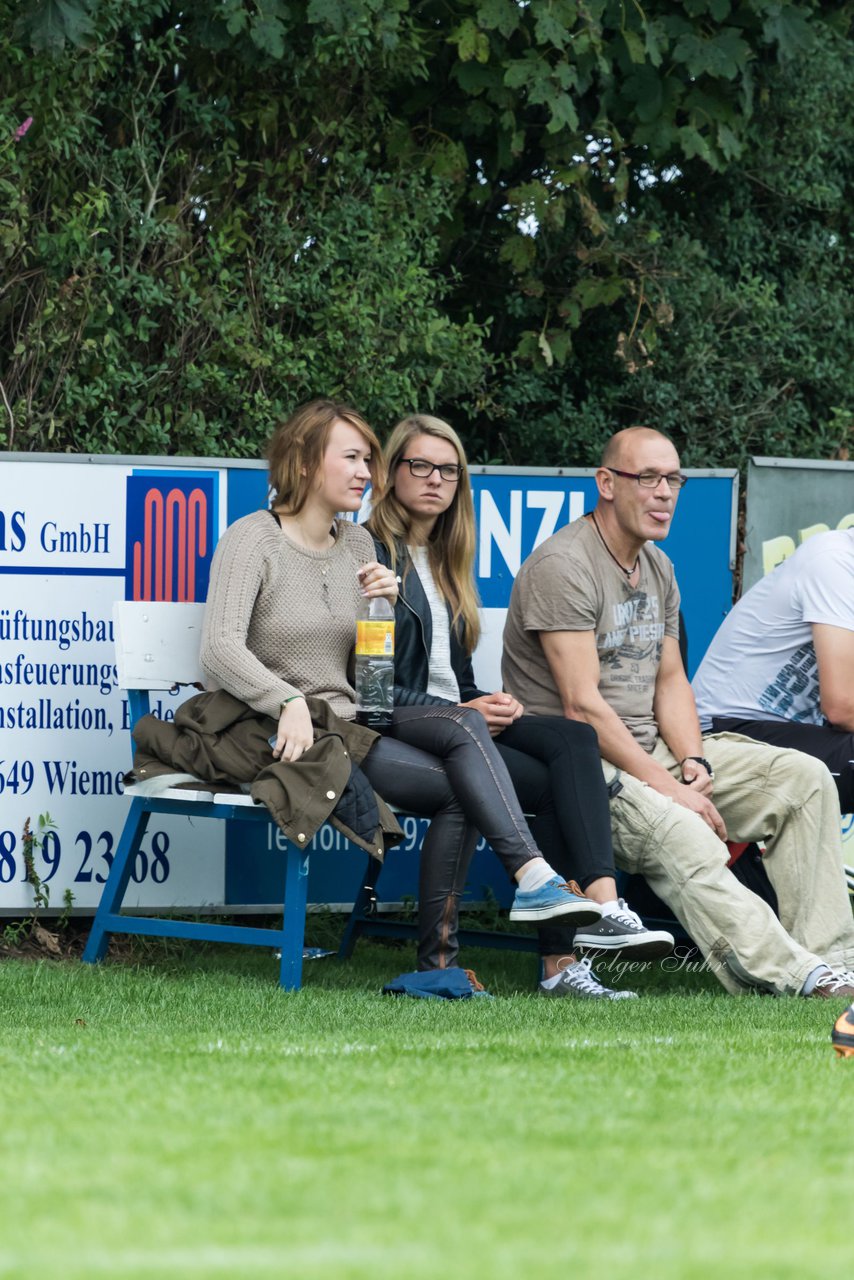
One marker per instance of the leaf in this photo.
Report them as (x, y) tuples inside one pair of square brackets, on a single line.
[(635, 45), (49, 23), (522, 72), (723, 55), (694, 144), (529, 199), (787, 26), (499, 15), (591, 291), (481, 47), (474, 77), (561, 344), (643, 87), (570, 311), (563, 114), (268, 34), (520, 251), (465, 38), (730, 144), (448, 159), (327, 12), (236, 22), (48, 941), (548, 30), (719, 9), (591, 216), (545, 349)]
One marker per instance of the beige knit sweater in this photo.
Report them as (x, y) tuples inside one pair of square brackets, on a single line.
[(281, 619)]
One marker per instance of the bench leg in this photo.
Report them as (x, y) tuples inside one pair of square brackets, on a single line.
[(114, 890), (365, 905), (293, 918)]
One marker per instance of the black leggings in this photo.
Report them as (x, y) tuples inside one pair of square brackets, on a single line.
[(556, 768)]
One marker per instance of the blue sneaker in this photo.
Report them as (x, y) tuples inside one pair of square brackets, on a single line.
[(555, 898)]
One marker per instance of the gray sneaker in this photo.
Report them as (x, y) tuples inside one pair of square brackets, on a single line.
[(579, 980), (624, 931)]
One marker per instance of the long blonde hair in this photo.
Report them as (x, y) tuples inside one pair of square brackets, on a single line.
[(450, 549)]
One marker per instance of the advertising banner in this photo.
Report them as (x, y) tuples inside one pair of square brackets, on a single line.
[(788, 500), (74, 537), (76, 534)]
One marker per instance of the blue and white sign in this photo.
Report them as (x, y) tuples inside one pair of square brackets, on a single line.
[(77, 534)]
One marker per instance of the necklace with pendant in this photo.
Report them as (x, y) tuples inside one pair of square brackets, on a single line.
[(628, 572), (302, 540)]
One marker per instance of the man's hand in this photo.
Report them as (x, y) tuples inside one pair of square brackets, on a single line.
[(697, 777), (690, 798), (296, 733), (498, 710)]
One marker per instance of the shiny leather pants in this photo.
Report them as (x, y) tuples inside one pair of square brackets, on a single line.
[(441, 762)]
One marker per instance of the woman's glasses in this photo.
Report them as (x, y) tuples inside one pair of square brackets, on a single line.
[(422, 468)]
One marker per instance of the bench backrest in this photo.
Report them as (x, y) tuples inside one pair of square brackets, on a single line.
[(157, 644), (157, 647)]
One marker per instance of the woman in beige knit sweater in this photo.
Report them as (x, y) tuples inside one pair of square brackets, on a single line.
[(280, 624)]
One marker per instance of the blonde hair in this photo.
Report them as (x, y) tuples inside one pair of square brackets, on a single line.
[(296, 448), (450, 549)]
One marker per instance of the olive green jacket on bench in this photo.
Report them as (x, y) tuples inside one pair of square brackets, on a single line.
[(218, 743)]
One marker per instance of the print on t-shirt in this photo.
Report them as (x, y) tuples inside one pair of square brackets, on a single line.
[(631, 649), (794, 691)]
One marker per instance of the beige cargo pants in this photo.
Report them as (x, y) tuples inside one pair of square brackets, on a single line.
[(783, 798)]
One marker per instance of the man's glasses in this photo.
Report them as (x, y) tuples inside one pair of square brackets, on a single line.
[(652, 479), (422, 468)]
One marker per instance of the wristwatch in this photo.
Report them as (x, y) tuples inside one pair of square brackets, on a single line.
[(700, 760)]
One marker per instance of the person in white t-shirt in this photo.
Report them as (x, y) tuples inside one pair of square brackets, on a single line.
[(781, 667)]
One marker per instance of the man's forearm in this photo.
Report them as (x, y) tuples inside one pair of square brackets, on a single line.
[(676, 717), (616, 743)]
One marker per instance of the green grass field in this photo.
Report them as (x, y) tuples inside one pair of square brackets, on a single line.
[(181, 1116)]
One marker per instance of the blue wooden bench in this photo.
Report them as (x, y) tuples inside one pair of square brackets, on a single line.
[(157, 648)]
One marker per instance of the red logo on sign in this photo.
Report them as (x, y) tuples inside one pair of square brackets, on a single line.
[(174, 537)]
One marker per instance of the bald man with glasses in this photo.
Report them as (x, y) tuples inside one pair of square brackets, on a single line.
[(592, 633)]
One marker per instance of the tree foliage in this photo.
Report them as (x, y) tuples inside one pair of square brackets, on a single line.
[(542, 220)]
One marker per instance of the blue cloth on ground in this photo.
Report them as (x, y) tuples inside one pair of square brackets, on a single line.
[(434, 984)]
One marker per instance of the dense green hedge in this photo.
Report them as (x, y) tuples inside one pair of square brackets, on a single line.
[(542, 221)]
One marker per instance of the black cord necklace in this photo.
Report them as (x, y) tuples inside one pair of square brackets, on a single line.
[(621, 567)]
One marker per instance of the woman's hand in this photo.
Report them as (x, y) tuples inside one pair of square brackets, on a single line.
[(377, 579), (296, 732), (499, 710)]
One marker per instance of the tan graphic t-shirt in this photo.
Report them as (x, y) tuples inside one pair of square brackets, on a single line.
[(570, 583)]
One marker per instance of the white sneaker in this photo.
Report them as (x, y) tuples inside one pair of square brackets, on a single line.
[(834, 985), (579, 980)]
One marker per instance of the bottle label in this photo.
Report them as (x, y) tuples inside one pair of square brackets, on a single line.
[(374, 639)]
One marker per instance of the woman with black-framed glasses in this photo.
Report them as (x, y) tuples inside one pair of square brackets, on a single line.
[(422, 469), (423, 525)]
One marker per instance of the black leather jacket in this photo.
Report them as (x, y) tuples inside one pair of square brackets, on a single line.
[(413, 636)]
